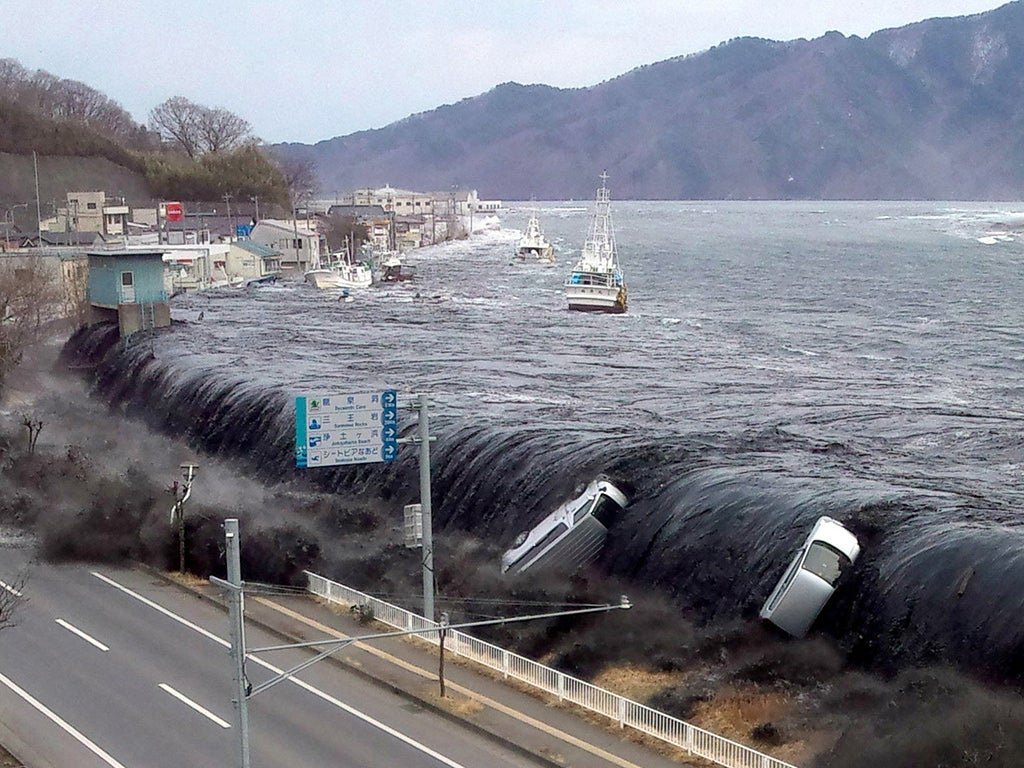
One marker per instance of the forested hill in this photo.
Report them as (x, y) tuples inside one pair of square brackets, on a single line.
[(82, 139), (928, 111)]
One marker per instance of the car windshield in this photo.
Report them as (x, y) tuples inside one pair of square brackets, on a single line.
[(826, 562), (606, 510)]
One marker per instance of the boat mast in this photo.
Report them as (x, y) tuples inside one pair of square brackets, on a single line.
[(601, 238)]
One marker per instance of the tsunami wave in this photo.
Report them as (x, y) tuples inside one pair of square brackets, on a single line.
[(710, 522)]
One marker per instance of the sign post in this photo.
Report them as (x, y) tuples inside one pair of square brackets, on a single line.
[(359, 429)]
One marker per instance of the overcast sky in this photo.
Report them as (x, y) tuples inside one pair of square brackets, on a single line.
[(305, 70)]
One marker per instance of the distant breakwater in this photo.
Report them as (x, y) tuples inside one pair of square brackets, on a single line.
[(706, 525)]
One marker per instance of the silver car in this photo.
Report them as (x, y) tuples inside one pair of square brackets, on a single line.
[(811, 578), (569, 538)]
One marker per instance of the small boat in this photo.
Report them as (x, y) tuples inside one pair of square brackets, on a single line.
[(341, 271), (533, 244), (571, 537), (391, 269), (596, 283)]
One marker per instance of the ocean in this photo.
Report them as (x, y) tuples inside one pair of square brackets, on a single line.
[(778, 361)]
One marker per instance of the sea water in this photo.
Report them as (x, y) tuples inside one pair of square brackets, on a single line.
[(778, 361)]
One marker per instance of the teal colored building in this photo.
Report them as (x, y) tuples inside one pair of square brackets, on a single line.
[(127, 286)]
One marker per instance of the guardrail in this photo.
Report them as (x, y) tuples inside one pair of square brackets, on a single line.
[(623, 711)]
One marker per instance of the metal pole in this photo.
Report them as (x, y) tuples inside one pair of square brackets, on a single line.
[(428, 536), (39, 215), (236, 612)]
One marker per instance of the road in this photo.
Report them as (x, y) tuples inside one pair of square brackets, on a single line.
[(108, 667)]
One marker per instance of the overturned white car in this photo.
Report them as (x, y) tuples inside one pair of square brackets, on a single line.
[(571, 537), (811, 578)]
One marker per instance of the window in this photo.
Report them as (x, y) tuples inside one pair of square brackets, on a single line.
[(91, 206), (606, 510), (825, 562), (297, 244), (127, 279)]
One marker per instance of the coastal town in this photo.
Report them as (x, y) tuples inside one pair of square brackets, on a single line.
[(112, 258)]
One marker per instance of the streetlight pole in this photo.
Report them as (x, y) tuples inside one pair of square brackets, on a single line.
[(236, 611), (188, 472)]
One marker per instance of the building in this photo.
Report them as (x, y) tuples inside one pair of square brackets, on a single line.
[(92, 212), (299, 244), (250, 262), (126, 286), (399, 201)]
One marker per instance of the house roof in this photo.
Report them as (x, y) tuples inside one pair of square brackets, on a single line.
[(257, 249), (358, 211), (286, 226), (69, 238)]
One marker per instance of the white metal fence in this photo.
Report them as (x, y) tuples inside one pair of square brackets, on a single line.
[(625, 712)]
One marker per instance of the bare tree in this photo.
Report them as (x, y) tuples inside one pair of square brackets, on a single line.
[(34, 427), (222, 131), (199, 130), (30, 298), (341, 230), (177, 121), (11, 595), (300, 178)]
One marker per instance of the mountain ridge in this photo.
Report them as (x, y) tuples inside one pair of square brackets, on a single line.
[(925, 111)]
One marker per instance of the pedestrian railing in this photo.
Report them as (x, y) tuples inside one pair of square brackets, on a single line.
[(625, 712)]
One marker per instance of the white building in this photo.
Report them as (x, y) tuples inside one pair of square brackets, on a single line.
[(299, 244)]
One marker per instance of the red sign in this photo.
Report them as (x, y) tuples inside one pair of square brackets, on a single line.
[(175, 212)]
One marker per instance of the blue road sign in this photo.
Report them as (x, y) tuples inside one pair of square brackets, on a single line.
[(355, 428)]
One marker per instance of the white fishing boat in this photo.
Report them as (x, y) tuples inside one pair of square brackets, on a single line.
[(533, 244), (596, 283), (341, 271)]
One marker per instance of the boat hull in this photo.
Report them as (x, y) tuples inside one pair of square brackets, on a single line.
[(588, 298), (538, 253), (344, 277)]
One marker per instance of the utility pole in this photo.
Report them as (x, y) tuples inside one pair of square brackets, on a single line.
[(39, 213), (231, 223), (423, 438), (428, 535)]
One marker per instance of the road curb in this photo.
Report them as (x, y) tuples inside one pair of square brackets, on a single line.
[(367, 676)]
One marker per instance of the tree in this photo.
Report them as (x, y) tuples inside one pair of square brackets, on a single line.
[(11, 595), (199, 130), (177, 121), (222, 131), (340, 230), (30, 297), (300, 178)]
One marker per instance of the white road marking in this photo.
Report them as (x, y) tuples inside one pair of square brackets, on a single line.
[(75, 630), (306, 686), (197, 707), (62, 723), (9, 588)]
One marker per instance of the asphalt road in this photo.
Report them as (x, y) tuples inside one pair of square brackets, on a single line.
[(107, 667)]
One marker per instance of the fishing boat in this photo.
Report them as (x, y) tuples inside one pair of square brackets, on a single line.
[(340, 271), (389, 268), (533, 244), (596, 283)]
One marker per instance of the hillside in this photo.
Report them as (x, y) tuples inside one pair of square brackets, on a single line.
[(926, 111)]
